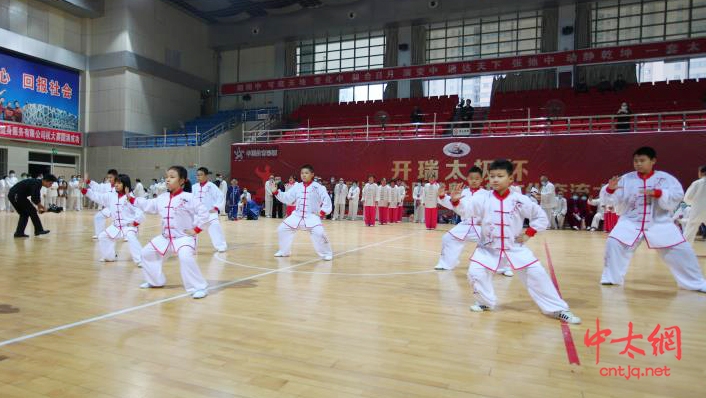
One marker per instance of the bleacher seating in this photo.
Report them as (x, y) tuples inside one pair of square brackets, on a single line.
[(205, 123), (361, 112), (642, 98)]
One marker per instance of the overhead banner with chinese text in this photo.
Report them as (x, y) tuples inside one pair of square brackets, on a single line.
[(38, 94), (630, 53), (580, 163)]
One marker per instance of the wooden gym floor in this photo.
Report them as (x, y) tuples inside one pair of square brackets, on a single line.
[(375, 322)]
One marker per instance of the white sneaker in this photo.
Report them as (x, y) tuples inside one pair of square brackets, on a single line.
[(568, 317), (280, 254), (199, 294), (327, 257), (139, 265), (124, 239), (221, 250), (145, 285), (94, 237), (575, 228), (478, 307), (506, 271)]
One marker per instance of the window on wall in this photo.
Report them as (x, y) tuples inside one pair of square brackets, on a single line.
[(499, 36), (620, 22), (477, 89), (659, 71), (360, 51), (368, 92)]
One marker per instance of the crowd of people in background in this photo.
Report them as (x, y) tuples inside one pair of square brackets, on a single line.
[(565, 210)]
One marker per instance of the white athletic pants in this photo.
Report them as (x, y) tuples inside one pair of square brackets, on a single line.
[(680, 259), (190, 273), (318, 238), (106, 246), (535, 279)]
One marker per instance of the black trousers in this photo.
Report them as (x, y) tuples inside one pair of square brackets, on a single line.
[(26, 210), (277, 209)]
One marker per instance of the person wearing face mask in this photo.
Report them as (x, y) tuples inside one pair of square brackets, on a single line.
[(417, 198), (340, 194), (353, 200), (74, 194), (696, 198), (561, 210), (622, 121), (290, 183), (548, 200)]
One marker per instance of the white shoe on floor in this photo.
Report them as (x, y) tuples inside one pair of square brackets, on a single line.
[(145, 285), (280, 254), (94, 237), (568, 317), (221, 250), (327, 257), (199, 294), (478, 307), (506, 272)]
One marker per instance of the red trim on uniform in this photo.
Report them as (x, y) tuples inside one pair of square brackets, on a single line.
[(321, 214), (455, 203), (646, 176), (131, 199), (175, 193), (530, 232), (276, 192), (503, 196), (83, 191), (442, 197), (197, 230), (88, 182), (610, 191), (203, 184), (216, 208), (658, 193), (135, 224), (306, 184)]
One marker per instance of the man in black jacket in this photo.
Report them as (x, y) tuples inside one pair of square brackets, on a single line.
[(18, 197)]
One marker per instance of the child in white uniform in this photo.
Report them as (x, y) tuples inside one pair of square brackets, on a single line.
[(126, 219), (645, 200), (502, 214), (182, 219), (312, 204), (211, 197)]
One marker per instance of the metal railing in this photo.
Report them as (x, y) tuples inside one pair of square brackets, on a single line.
[(197, 138), (635, 123)]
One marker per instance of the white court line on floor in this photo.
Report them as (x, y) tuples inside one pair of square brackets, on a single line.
[(218, 257), (179, 296)]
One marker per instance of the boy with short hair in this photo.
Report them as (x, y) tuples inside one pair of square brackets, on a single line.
[(501, 241), (645, 200), (312, 204)]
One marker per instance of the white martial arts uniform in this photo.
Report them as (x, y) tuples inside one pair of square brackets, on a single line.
[(370, 202), (11, 181), (353, 200), (418, 206), (102, 215), (312, 202), (126, 220), (270, 187), (501, 220), (696, 198), (211, 197), (75, 199), (53, 194), (648, 218), (139, 191), (179, 211), (340, 193), (4, 189), (384, 197), (600, 211), (401, 193), (453, 241), (548, 202)]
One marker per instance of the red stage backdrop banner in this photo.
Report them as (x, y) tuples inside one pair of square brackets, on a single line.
[(580, 163)]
